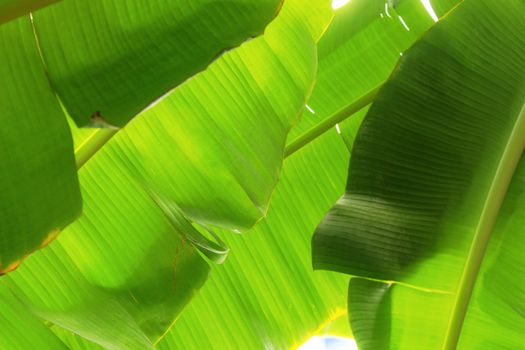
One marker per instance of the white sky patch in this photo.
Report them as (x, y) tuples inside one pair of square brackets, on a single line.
[(310, 109), (337, 128), (339, 3), (403, 22), (386, 10), (329, 343), (400, 54), (314, 343), (430, 10)]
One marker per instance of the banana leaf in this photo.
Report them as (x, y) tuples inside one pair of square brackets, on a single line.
[(426, 205), (38, 179), (120, 276), (108, 61)]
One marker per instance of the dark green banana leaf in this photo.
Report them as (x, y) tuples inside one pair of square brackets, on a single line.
[(39, 192), (108, 60), (426, 192)]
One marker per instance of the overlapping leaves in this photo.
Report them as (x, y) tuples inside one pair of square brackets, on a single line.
[(124, 263), (426, 191), (95, 54)]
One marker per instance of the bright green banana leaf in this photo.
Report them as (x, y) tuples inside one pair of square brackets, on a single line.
[(16, 320), (195, 148), (357, 54), (426, 191), (215, 145), (39, 192), (127, 261), (109, 60), (38, 180), (120, 274), (11, 9), (266, 295)]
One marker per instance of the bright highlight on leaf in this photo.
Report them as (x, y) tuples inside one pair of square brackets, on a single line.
[(386, 9), (310, 109), (403, 23), (339, 3), (430, 10)]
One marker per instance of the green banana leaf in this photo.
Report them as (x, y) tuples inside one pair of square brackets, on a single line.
[(120, 274), (426, 205), (128, 261), (357, 54), (266, 294), (38, 177), (109, 61), (16, 320), (38, 180), (215, 145), (394, 316), (209, 324), (109, 283), (11, 9), (419, 318)]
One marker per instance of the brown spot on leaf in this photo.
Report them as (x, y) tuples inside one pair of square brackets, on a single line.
[(98, 121), (50, 238), (10, 267)]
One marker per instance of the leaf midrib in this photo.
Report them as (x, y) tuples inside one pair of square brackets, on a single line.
[(491, 208), (99, 137)]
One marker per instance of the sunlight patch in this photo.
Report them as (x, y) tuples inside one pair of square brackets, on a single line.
[(329, 343), (339, 3)]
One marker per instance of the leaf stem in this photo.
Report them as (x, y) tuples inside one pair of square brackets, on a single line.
[(319, 129), (92, 144), (493, 202), (99, 137)]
